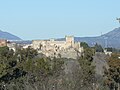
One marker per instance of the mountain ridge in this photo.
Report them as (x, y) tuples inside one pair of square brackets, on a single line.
[(8, 36), (110, 39)]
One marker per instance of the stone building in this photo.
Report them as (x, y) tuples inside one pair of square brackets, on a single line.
[(55, 48), (52, 44), (3, 42), (12, 45)]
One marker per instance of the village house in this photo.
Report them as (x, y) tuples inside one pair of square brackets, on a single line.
[(3, 42)]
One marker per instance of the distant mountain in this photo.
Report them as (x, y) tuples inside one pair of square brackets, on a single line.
[(110, 39), (8, 36), (114, 34)]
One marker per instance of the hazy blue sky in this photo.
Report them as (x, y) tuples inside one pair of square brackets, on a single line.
[(38, 19)]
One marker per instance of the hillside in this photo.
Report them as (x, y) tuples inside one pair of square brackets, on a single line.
[(110, 39), (8, 36)]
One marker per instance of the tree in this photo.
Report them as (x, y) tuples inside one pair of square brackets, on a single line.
[(87, 69), (98, 48), (84, 45), (24, 68), (113, 73)]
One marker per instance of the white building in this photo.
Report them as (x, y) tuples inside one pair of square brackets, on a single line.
[(107, 52)]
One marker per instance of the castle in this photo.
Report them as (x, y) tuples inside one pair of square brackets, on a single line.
[(51, 48), (54, 47)]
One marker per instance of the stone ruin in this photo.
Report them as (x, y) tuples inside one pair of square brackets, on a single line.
[(54, 48)]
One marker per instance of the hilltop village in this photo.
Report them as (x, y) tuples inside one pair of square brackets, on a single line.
[(50, 64), (50, 48)]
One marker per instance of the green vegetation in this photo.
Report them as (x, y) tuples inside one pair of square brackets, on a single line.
[(114, 50), (25, 69), (84, 45), (113, 73), (98, 48), (21, 69), (87, 70)]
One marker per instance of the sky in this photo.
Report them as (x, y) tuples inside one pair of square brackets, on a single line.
[(42, 19)]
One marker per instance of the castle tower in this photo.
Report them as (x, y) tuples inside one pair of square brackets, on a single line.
[(70, 40)]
